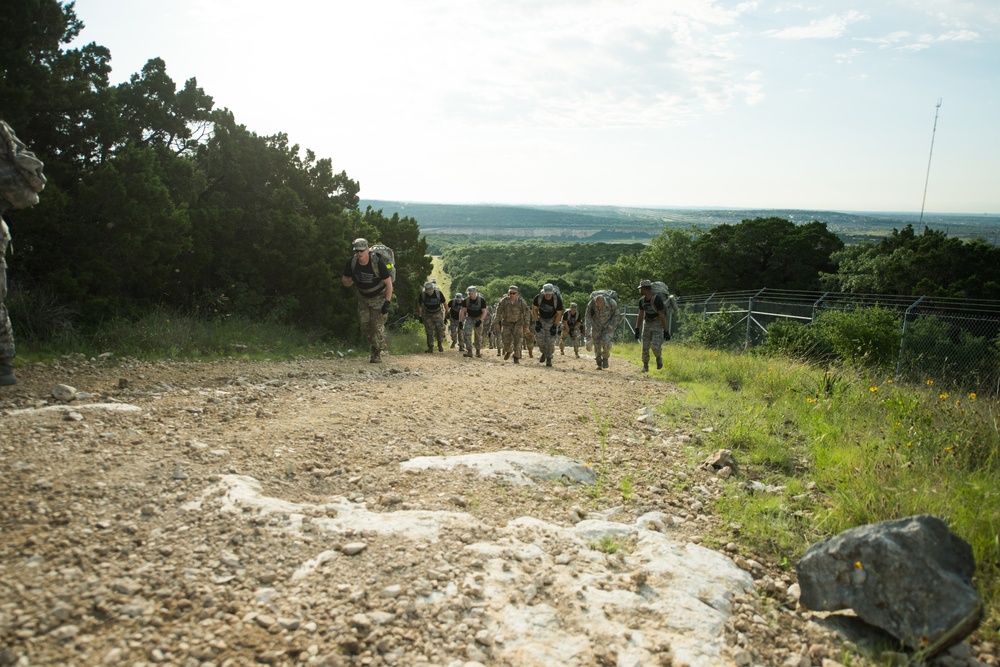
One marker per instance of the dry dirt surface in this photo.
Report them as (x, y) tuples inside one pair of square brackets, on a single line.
[(109, 555)]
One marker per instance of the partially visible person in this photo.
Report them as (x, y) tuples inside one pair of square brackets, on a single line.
[(21, 180), (529, 339), (430, 310), (472, 321), (602, 319), (454, 311), (547, 311), (572, 328), (511, 320), (374, 282), (650, 324), (488, 327)]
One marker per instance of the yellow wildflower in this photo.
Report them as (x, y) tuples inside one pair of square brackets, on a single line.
[(972, 395), (943, 396)]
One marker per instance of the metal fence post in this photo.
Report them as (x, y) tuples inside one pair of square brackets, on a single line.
[(816, 307), (902, 339), (746, 340)]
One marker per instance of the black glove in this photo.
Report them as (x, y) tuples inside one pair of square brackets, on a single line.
[(538, 326), (552, 330), (638, 334), (385, 307), (478, 322)]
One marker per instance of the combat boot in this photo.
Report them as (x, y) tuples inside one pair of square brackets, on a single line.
[(478, 353), (599, 367), (645, 367), (517, 360), (7, 377), (428, 350), (605, 362), (440, 346), (659, 362), (548, 361)]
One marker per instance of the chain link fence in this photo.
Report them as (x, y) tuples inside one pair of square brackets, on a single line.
[(951, 341)]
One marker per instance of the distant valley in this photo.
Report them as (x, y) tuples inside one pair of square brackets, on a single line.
[(617, 223)]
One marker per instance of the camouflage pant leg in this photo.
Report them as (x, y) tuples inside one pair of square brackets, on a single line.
[(563, 335), (602, 346), (513, 337), (6, 332), (372, 322), (652, 338), (547, 340), (472, 335), (576, 343), (456, 333), (433, 327), (528, 338)]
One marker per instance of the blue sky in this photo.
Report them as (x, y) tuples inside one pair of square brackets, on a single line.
[(758, 104)]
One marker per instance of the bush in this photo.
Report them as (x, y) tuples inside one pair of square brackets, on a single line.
[(867, 338), (721, 331)]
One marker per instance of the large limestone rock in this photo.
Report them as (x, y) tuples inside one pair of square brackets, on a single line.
[(911, 577)]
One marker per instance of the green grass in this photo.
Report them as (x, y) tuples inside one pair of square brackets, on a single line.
[(163, 334), (845, 447)]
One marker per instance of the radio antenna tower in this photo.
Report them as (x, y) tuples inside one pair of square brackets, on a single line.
[(937, 110)]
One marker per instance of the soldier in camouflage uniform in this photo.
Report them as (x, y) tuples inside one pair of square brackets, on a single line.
[(430, 310), (602, 319), (572, 328), (547, 311), (454, 311), (651, 324), (21, 180), (374, 281), (511, 320), (473, 315)]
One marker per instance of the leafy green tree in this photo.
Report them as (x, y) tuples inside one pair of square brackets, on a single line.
[(766, 252), (910, 264), (53, 97)]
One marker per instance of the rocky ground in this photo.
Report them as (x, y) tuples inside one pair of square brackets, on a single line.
[(123, 540)]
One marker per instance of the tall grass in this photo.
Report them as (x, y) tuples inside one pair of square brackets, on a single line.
[(162, 333), (840, 447)]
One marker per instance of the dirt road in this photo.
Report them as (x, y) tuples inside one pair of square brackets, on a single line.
[(121, 542)]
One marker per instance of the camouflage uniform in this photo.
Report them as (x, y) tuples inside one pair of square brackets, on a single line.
[(431, 308), (652, 319), (511, 320), (602, 319), (472, 322), (454, 310), (547, 308), (374, 292), (21, 180), (529, 340), (572, 328), (6, 332)]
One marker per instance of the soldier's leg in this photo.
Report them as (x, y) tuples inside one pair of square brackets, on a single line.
[(507, 340), (647, 338), (439, 331), (429, 332), (7, 376), (656, 343), (598, 351), (517, 335)]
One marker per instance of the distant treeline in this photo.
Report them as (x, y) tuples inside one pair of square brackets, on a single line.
[(614, 223), (755, 253)]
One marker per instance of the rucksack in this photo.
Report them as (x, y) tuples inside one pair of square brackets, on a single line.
[(606, 293), (661, 289), (387, 257), (21, 177)]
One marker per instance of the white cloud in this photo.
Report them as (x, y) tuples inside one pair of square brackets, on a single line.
[(830, 27)]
